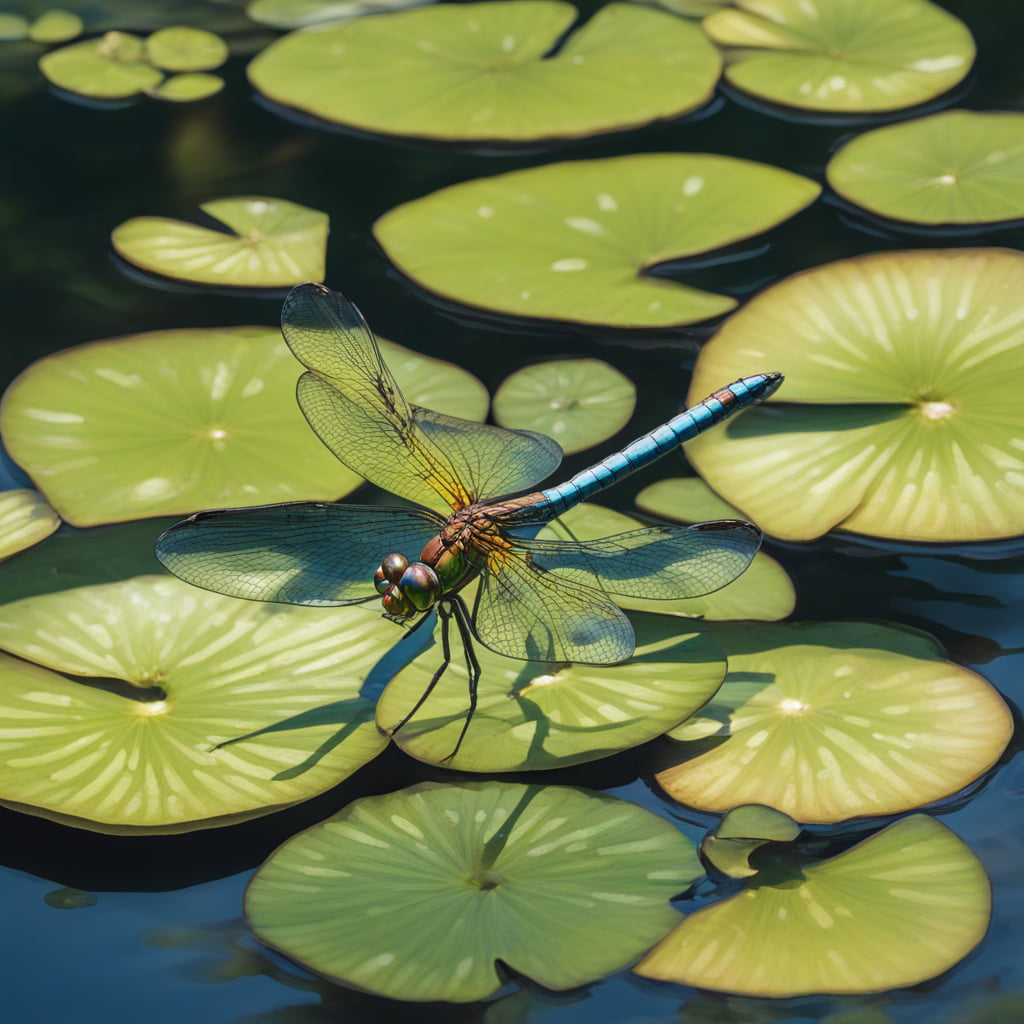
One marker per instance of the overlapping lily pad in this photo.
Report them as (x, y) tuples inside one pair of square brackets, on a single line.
[(900, 416), (956, 167), (578, 402), (842, 56), (178, 48), (25, 519), (684, 499), (289, 14), (895, 910), (560, 884), (274, 243), (485, 71), (149, 705), (575, 241), (174, 421), (741, 833), (110, 68), (836, 720)]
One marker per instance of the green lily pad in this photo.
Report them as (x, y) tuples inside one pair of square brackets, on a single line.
[(842, 56), (763, 592), (534, 715), (13, 27), (26, 518), (687, 8), (169, 422), (578, 402), (955, 167), (150, 705), (275, 243), (177, 48), (895, 910), (56, 26), (110, 68), (900, 415), (289, 14), (485, 72), (560, 884), (742, 832), (188, 87), (684, 499), (836, 720), (575, 241)]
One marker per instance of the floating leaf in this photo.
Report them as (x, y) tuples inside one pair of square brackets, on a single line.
[(275, 243), (578, 402), (742, 832), (55, 26), (289, 14), (955, 167), (687, 8), (25, 519), (559, 884), (900, 415), (109, 68), (684, 499), (574, 241), (842, 56), (836, 720), (485, 71), (13, 27), (177, 48), (534, 715), (895, 910), (169, 422), (188, 88), (137, 708)]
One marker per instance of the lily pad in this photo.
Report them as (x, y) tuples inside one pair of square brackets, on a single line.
[(169, 422), (55, 26), (486, 71), (534, 715), (13, 27), (741, 833), (289, 14), (842, 56), (26, 518), (900, 415), (684, 499), (188, 87), (150, 705), (578, 402), (275, 243), (110, 68), (955, 167), (177, 48), (560, 884), (836, 720), (895, 910), (575, 241)]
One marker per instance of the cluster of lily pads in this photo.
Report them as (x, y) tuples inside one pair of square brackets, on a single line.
[(136, 704)]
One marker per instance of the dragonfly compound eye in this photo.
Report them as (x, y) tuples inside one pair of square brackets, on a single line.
[(420, 585), (396, 605), (392, 567)]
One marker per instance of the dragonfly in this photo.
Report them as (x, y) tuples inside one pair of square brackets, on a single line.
[(536, 599)]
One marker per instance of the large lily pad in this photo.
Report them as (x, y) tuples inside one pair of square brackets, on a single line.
[(955, 167), (169, 422), (842, 56), (25, 519), (416, 895), (836, 720), (574, 241), (149, 705), (110, 68), (485, 72), (901, 415), (275, 243), (895, 910), (289, 14)]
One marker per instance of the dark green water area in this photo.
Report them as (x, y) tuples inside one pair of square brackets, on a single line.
[(112, 929)]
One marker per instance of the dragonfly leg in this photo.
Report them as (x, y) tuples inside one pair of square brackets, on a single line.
[(461, 614), (444, 615)]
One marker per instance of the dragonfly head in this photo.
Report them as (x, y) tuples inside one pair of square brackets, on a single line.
[(406, 589)]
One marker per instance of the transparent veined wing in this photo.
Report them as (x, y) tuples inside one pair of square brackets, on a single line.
[(302, 552)]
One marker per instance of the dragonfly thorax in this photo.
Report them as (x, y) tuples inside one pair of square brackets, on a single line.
[(406, 588)]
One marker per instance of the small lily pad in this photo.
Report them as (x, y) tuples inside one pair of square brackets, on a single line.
[(836, 720), (486, 71), (289, 14), (578, 402), (900, 416), (895, 910), (110, 68), (177, 48), (13, 27), (955, 167), (742, 832), (188, 87), (169, 422), (150, 705), (56, 26), (26, 518), (575, 241), (684, 499), (842, 56), (274, 243), (559, 884)]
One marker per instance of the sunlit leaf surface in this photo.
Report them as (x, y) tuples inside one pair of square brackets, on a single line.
[(289, 14), (684, 499), (741, 833), (110, 68), (177, 48), (25, 519)]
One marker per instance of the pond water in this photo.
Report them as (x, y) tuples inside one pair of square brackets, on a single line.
[(164, 940)]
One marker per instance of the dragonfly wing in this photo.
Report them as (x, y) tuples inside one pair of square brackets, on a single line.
[(309, 553), (661, 562), (523, 612)]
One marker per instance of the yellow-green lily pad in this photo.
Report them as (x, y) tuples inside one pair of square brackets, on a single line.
[(178, 48), (13, 27), (188, 87), (289, 14), (149, 705), (741, 833), (900, 416), (55, 26), (575, 241), (26, 518), (842, 56), (684, 499), (897, 909), (955, 167), (836, 720), (110, 68), (274, 243), (485, 71), (169, 422), (561, 885)]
